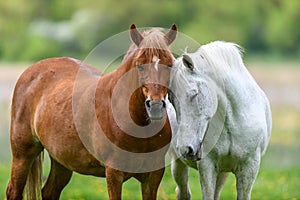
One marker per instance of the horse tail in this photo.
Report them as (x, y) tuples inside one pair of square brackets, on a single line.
[(34, 179)]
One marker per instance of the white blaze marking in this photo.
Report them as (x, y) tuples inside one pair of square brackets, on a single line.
[(156, 61)]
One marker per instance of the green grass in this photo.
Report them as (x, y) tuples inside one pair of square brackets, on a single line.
[(273, 182)]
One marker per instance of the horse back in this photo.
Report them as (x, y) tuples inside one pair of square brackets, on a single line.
[(37, 81), (41, 78), (41, 111)]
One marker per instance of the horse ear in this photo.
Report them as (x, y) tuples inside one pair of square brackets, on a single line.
[(135, 35), (175, 102), (171, 34), (188, 62)]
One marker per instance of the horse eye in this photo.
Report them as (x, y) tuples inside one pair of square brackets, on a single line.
[(140, 67), (188, 64), (194, 96)]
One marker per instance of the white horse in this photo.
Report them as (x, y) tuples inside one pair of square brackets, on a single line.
[(223, 120)]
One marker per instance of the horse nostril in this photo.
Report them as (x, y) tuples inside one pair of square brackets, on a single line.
[(187, 151), (190, 151), (147, 102)]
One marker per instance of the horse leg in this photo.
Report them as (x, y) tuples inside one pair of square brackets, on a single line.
[(180, 172), (151, 183), (208, 178), (219, 185), (58, 178), (19, 171), (24, 152), (245, 177), (114, 180)]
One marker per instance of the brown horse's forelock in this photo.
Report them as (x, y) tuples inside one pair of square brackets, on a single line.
[(153, 44)]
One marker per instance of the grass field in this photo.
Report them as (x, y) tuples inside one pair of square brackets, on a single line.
[(279, 176)]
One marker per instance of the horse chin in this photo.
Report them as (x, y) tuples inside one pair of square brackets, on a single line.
[(156, 116), (199, 152), (190, 153), (199, 155), (192, 158)]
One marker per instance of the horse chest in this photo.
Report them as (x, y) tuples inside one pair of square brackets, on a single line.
[(224, 153), (233, 147)]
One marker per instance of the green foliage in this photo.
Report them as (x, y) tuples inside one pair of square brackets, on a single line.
[(39, 47), (282, 31), (259, 26)]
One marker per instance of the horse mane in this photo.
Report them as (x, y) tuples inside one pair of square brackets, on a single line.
[(154, 38), (153, 43), (224, 56), (217, 59)]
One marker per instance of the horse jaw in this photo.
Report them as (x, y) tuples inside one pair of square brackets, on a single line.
[(189, 143)]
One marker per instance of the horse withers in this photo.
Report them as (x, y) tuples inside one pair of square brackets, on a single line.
[(94, 124), (222, 122)]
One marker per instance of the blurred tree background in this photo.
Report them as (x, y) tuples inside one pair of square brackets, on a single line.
[(34, 30)]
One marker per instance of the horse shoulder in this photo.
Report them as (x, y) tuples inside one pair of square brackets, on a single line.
[(248, 119)]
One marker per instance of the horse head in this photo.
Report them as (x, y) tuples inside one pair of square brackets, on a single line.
[(195, 101), (153, 61)]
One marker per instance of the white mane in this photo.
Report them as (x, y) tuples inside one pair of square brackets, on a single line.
[(221, 55), (219, 60)]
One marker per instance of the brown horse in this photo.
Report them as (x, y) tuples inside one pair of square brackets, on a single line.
[(53, 106)]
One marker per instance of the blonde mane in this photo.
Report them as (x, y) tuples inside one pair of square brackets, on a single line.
[(154, 43)]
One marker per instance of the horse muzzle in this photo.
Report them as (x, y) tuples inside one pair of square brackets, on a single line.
[(156, 109), (191, 153)]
